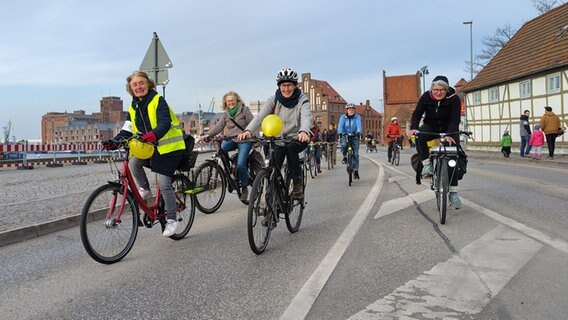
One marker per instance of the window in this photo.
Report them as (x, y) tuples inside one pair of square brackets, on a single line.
[(477, 98), (525, 87), (553, 83), (494, 94)]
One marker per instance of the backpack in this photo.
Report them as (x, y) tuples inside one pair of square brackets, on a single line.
[(189, 156)]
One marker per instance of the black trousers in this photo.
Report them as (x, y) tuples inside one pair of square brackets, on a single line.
[(291, 151), (424, 151), (551, 143)]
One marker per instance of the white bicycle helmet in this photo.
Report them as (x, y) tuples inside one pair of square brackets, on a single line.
[(287, 75), (349, 105), (394, 118)]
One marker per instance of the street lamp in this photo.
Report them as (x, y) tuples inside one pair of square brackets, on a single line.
[(470, 48), (423, 73)]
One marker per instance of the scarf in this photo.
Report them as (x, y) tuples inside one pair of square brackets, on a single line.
[(288, 102), (232, 112)]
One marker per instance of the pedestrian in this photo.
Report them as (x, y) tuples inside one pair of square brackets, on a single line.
[(537, 141), (506, 142), (550, 123), (525, 131), (315, 138)]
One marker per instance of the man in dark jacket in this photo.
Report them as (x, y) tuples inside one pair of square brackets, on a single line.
[(525, 130), (441, 108)]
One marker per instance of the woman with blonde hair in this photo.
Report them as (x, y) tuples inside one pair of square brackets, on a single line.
[(236, 117)]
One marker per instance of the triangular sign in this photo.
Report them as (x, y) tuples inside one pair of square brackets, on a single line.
[(156, 56)]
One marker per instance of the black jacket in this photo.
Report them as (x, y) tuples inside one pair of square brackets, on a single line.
[(442, 116)]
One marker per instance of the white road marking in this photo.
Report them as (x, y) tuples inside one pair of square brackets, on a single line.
[(397, 178), (398, 204), (462, 285), (305, 298)]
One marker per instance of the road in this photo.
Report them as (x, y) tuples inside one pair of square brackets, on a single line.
[(371, 251)]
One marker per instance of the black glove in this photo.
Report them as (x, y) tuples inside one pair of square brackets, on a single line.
[(109, 145)]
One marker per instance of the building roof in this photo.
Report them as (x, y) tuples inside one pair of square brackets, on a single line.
[(328, 90), (539, 45)]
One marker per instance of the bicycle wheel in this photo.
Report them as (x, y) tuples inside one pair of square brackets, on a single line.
[(312, 165), (396, 157), (350, 166), (443, 190), (259, 219), (106, 233), (185, 206), (212, 186), (296, 210)]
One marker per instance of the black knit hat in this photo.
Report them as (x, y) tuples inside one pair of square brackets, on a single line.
[(547, 108), (443, 81)]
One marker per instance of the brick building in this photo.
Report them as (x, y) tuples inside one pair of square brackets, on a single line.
[(400, 95)]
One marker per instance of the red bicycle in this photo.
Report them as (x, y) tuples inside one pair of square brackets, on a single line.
[(111, 215)]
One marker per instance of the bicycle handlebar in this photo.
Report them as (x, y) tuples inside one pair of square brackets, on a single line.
[(444, 134)]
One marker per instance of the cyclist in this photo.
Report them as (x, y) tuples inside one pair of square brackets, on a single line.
[(314, 138), (155, 122), (441, 108), (293, 107), (350, 123), (235, 118), (393, 133), (369, 139)]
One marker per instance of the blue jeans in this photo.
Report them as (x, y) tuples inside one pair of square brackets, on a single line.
[(244, 150), (525, 146), (356, 143)]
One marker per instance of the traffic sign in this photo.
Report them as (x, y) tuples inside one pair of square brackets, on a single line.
[(156, 62)]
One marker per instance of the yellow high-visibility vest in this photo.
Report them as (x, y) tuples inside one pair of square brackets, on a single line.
[(173, 140)]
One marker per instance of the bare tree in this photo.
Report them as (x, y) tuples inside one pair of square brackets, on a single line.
[(543, 6)]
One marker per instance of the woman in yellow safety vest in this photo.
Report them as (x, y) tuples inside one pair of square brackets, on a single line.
[(150, 117)]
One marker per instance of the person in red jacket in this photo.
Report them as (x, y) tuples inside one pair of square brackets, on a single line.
[(393, 133)]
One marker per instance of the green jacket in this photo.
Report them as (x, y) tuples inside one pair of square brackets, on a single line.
[(506, 140)]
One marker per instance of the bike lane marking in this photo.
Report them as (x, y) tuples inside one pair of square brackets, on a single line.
[(305, 298), (462, 285), (398, 204)]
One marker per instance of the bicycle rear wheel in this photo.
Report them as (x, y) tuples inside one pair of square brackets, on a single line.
[(106, 233), (443, 187), (312, 165), (211, 187), (185, 206), (259, 219)]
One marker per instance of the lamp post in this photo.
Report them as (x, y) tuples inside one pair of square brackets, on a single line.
[(423, 73), (470, 48)]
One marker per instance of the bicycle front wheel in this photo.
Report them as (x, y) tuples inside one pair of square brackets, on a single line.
[(259, 218), (396, 157), (312, 165), (296, 210), (107, 233), (443, 189), (210, 187), (185, 206), (350, 166)]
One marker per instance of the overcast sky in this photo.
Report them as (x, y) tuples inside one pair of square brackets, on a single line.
[(65, 55)]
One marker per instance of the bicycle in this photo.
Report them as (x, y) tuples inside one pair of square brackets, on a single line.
[(312, 163), (216, 176), (111, 214), (443, 157), (271, 199), (395, 159), (350, 160)]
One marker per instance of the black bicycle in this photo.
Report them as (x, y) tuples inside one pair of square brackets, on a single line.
[(444, 159), (395, 157), (216, 176), (271, 200), (350, 155)]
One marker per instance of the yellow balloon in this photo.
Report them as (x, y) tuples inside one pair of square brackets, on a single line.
[(141, 150), (271, 125)]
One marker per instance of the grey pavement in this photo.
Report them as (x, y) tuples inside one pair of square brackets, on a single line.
[(45, 200)]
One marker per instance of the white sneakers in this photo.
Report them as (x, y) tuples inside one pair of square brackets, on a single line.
[(145, 194), (170, 229)]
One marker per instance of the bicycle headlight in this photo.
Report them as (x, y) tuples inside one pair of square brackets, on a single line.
[(452, 163), (266, 162)]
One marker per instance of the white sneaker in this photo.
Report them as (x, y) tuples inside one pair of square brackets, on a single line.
[(145, 194), (170, 228)]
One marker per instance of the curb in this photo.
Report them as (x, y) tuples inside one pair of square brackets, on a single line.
[(31, 232)]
